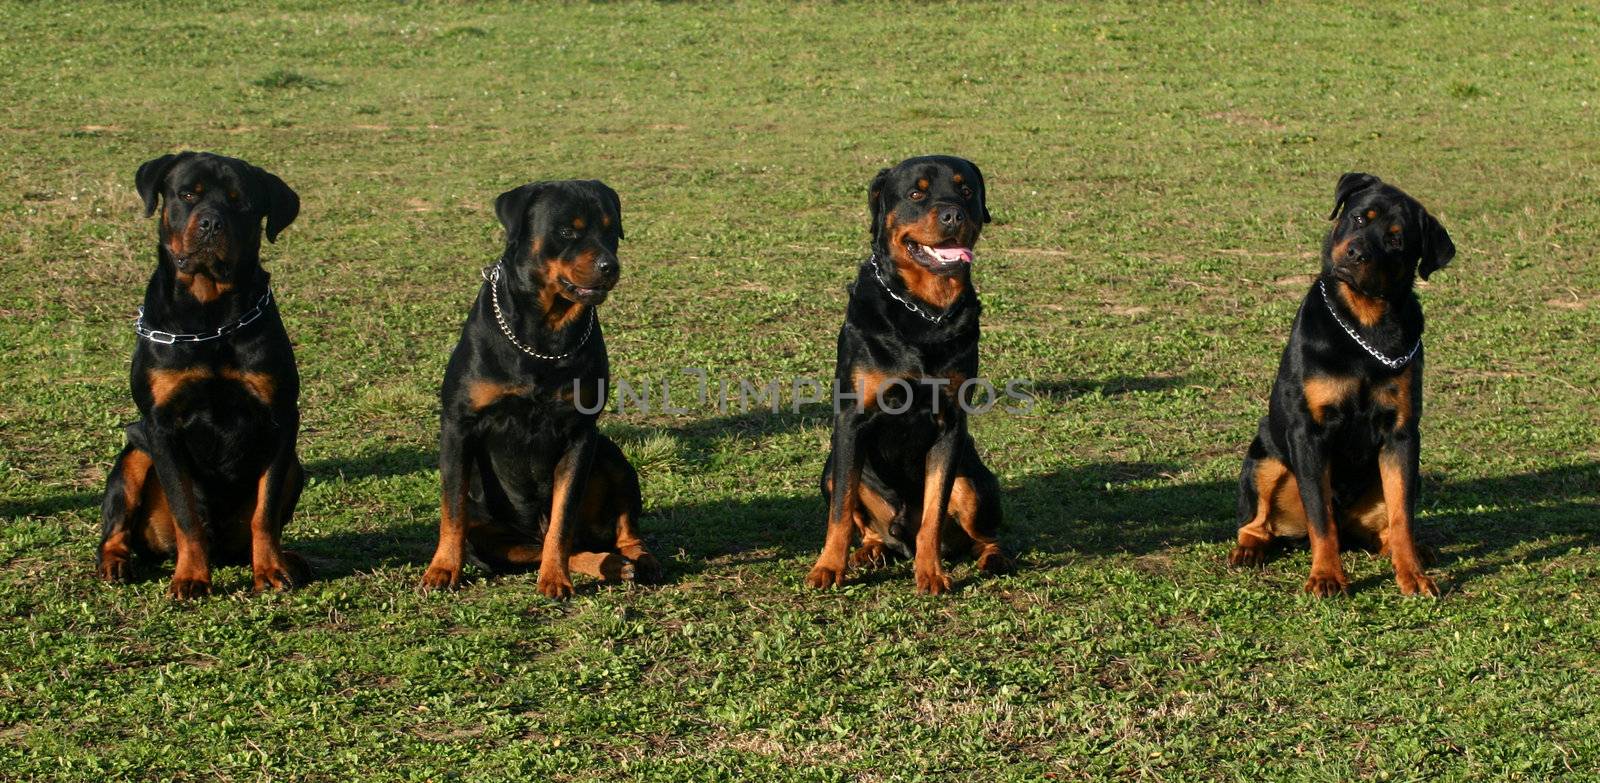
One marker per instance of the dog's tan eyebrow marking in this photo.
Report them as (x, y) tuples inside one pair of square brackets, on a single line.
[(922, 184), (605, 220), (1394, 228), (956, 179), (579, 223), (1372, 213)]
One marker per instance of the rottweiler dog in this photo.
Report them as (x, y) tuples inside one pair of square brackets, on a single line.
[(528, 479), (1336, 455), (903, 472), (209, 470)]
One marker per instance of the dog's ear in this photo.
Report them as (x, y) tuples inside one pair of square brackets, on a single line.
[(1351, 183), (1437, 248), (613, 202), (283, 204), (147, 180), (512, 209), (983, 192), (875, 202)]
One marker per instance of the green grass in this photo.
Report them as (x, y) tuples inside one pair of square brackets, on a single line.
[(1159, 181)]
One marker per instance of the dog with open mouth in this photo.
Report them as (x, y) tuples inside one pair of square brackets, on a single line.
[(903, 474), (528, 480)]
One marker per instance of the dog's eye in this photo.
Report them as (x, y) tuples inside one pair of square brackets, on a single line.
[(188, 197), (567, 233), (966, 192), (916, 195), (1358, 219)]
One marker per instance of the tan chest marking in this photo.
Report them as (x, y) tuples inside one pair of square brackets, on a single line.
[(482, 394), (1328, 391)]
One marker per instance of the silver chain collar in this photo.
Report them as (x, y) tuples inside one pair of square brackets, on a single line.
[(877, 274), (168, 338), (492, 275), (1393, 364)]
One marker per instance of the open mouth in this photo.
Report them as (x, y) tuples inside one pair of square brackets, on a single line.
[(946, 256), (583, 294)]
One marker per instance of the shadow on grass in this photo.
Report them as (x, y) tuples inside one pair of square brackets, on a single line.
[(1099, 509), (1090, 509)]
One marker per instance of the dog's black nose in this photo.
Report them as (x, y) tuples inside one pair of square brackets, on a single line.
[(951, 216), (1354, 252), (606, 266), (208, 223)]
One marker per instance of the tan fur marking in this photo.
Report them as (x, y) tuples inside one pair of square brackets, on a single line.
[(936, 291), (1368, 517), (869, 384), (957, 179), (927, 564), (964, 501), (554, 579), (166, 383), (193, 561), (1366, 309), (829, 568), (203, 287), (1402, 548), (579, 223), (1372, 213), (1259, 530), (1396, 394), (1325, 563), (261, 385), (559, 311), (875, 505), (482, 394), (1327, 391), (922, 184), (266, 552)]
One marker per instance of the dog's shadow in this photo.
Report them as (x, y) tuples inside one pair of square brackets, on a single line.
[(1094, 509)]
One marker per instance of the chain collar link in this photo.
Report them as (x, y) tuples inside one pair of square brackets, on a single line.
[(168, 338), (1393, 364), (877, 274), (491, 274)]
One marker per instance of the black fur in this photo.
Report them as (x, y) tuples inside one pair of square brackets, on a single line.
[(214, 416), (511, 426)]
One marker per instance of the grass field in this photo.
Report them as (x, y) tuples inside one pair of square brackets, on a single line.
[(1159, 181)]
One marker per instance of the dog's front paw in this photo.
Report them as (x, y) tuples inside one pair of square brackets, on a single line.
[(646, 568), (1416, 583), (555, 586), (872, 554), (993, 561), (184, 589), (823, 577), (441, 578), (933, 581), (115, 568), (1245, 556), (1324, 585), (288, 572)]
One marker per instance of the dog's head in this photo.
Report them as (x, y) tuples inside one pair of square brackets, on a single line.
[(927, 213), (562, 238), (1382, 238), (211, 211)]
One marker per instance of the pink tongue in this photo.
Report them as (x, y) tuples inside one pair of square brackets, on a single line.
[(949, 254)]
